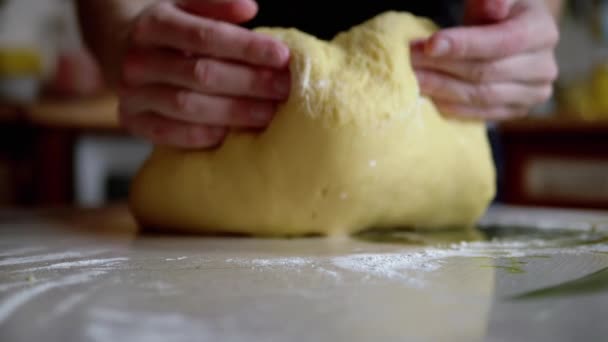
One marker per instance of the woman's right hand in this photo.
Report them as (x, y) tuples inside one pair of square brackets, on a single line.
[(190, 73)]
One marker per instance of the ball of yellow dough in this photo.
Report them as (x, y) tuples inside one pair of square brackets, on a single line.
[(354, 147)]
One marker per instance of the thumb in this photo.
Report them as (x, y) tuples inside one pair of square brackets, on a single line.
[(234, 11), (487, 11)]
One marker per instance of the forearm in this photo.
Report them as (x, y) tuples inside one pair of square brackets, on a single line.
[(105, 25)]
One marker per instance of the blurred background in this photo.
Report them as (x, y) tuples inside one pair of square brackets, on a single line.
[(60, 144)]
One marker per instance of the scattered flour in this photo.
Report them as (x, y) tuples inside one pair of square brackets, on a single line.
[(12, 303), (74, 264), (410, 265), (46, 257), (387, 265), (176, 259), (20, 251), (286, 262)]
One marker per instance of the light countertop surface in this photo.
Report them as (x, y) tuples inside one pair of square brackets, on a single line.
[(526, 275)]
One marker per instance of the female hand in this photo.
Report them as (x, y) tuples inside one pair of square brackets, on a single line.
[(190, 74), (499, 68)]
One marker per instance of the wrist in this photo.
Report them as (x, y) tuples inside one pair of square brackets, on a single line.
[(106, 27)]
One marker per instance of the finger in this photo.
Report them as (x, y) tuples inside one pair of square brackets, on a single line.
[(184, 105), (163, 131), (234, 11), (522, 33), (486, 11), (444, 87), (210, 76), (535, 67), (459, 110), (169, 27)]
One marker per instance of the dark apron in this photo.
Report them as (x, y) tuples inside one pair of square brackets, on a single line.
[(326, 18)]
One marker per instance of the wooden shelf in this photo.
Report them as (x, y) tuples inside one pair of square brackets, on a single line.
[(97, 113), (553, 125), (555, 162)]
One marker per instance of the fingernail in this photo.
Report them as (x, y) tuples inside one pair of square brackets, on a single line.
[(439, 47), (281, 85)]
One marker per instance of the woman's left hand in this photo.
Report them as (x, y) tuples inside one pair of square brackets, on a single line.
[(498, 68)]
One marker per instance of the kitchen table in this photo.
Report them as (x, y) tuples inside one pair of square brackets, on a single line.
[(524, 274)]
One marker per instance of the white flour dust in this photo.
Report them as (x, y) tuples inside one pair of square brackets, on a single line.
[(410, 265), (284, 262), (8, 306), (46, 257), (108, 262), (20, 251), (83, 271), (387, 265), (177, 259)]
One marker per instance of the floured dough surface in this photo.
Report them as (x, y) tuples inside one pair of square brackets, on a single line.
[(354, 147)]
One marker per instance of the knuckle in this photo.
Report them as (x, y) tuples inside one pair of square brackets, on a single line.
[(545, 93), (144, 26), (511, 44), (263, 80), (482, 72), (139, 32), (553, 34), (256, 47), (511, 40), (483, 94), (160, 14), (204, 37), (459, 47), (181, 102), (129, 68), (204, 73), (553, 71)]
